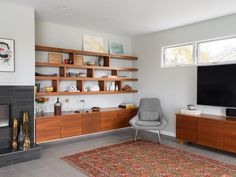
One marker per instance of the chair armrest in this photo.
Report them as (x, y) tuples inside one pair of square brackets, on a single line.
[(133, 120), (163, 122)]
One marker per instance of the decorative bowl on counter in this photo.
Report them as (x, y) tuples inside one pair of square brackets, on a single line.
[(96, 109)]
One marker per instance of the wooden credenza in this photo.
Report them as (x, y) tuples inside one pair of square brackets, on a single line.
[(69, 124), (209, 130)]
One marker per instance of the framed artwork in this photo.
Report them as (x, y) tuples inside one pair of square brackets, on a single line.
[(93, 44), (7, 55), (116, 48)]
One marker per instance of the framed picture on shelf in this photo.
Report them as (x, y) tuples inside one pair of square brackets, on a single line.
[(93, 44), (7, 55), (116, 48)]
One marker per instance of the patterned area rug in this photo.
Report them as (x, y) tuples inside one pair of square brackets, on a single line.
[(143, 159)]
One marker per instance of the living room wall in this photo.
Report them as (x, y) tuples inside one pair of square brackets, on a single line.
[(55, 35), (176, 86), (18, 23)]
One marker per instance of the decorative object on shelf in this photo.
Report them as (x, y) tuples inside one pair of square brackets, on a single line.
[(128, 106), (93, 44), (14, 133), (73, 88), (79, 60), (48, 75), (71, 74), (112, 86), (49, 89), (100, 61), (7, 55), (116, 48), (126, 88), (39, 105), (67, 61), (26, 144), (191, 107), (191, 112), (107, 88), (93, 88), (57, 107), (91, 63), (81, 75), (117, 88), (55, 58), (37, 85), (20, 139), (96, 109)]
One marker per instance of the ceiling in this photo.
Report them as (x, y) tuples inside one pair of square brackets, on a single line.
[(127, 17)]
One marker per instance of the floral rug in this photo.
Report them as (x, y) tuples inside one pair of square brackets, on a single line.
[(144, 159)]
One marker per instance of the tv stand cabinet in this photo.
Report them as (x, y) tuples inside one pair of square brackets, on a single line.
[(208, 130)]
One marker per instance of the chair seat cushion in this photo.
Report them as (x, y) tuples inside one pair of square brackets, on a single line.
[(148, 115), (147, 123)]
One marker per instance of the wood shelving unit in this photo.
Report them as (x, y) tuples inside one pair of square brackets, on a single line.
[(90, 72)]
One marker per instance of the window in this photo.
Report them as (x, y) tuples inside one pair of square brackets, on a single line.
[(178, 55), (221, 50)]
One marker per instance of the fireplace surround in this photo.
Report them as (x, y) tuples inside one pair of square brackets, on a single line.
[(20, 99)]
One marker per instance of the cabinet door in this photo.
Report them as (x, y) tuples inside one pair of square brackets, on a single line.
[(124, 117), (210, 133), (71, 126), (229, 136), (109, 120), (91, 122), (47, 129), (186, 128)]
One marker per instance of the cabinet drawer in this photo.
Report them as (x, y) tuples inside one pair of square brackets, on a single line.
[(229, 140), (71, 126), (186, 128), (210, 133), (48, 129)]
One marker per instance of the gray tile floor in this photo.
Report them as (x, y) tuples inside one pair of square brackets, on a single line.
[(50, 164)]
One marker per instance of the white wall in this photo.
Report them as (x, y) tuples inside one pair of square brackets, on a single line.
[(55, 35), (18, 23), (176, 87)]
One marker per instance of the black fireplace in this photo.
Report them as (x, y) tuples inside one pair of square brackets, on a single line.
[(14, 100)]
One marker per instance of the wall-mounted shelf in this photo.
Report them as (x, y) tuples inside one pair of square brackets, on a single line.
[(63, 70), (83, 93)]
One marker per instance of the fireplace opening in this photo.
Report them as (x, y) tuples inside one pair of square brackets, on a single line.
[(4, 115)]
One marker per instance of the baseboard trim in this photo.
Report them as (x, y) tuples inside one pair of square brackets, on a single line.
[(165, 133)]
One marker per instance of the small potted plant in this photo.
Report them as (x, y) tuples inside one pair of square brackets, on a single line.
[(39, 105)]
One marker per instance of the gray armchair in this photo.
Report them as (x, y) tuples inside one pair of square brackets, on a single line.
[(150, 117)]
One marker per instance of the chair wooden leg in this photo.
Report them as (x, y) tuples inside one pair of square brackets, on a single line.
[(136, 134), (159, 136)]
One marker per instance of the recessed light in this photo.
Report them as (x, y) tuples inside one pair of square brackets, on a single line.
[(63, 8)]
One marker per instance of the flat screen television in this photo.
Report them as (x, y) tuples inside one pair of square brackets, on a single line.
[(4, 115), (216, 85)]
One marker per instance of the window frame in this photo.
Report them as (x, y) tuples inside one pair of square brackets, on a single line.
[(211, 40), (163, 62)]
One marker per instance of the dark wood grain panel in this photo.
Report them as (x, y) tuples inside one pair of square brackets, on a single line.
[(186, 128), (91, 122), (229, 143), (48, 129), (210, 133), (71, 126), (109, 120), (125, 115)]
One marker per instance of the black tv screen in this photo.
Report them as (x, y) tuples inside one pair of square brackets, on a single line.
[(216, 85)]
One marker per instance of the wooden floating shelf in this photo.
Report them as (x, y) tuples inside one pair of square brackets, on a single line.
[(82, 93), (86, 79), (91, 72), (79, 52), (44, 64)]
